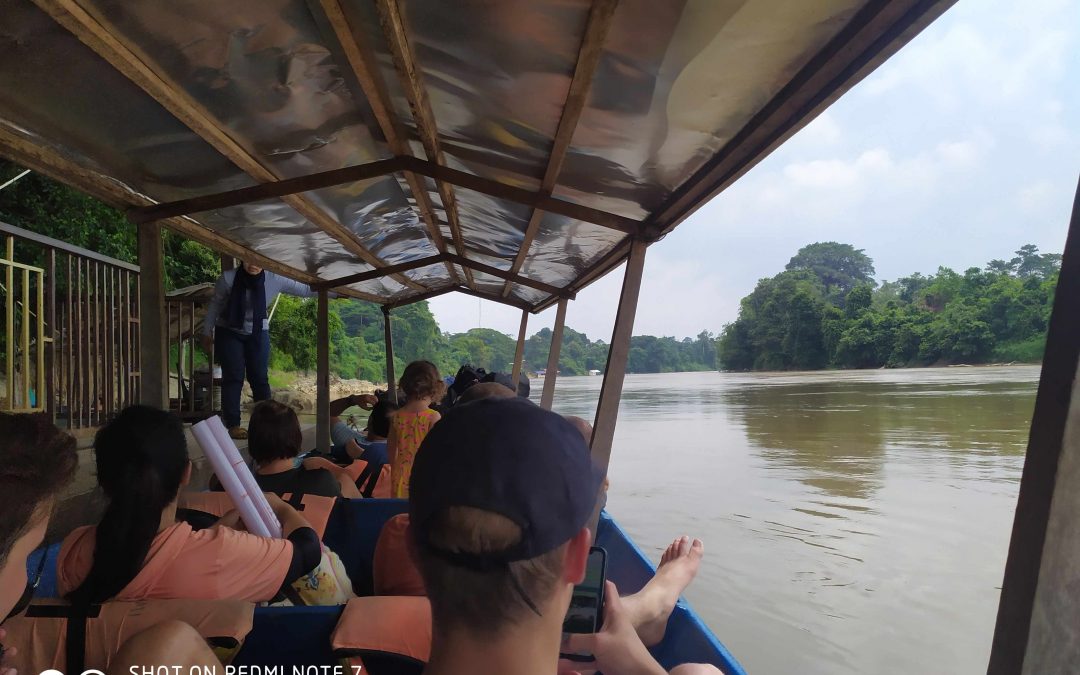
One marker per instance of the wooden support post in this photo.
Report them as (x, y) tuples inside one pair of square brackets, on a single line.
[(607, 410), (51, 377), (548, 397), (1038, 621), (519, 352), (388, 338), (153, 369), (322, 377), (227, 263)]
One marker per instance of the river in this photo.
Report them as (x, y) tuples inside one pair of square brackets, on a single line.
[(854, 522)]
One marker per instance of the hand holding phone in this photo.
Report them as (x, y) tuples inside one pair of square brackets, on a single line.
[(616, 648), (586, 612)]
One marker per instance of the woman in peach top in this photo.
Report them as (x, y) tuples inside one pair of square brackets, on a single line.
[(410, 424), (140, 551)]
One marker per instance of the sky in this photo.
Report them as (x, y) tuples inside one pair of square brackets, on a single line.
[(960, 149)]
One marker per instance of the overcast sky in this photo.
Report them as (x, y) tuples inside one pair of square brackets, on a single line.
[(960, 149)]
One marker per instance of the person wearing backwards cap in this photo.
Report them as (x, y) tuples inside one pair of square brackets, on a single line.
[(500, 496)]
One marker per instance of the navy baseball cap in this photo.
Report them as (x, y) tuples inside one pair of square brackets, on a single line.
[(510, 457)]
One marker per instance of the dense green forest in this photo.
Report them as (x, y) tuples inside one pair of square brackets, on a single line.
[(825, 310), (42, 205)]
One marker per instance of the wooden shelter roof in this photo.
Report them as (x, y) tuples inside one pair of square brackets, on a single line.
[(402, 149)]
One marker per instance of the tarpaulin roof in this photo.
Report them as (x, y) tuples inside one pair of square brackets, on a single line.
[(400, 149)]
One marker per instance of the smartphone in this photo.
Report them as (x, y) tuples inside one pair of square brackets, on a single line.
[(586, 611)]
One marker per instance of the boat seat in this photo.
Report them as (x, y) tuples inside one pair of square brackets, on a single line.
[(384, 635), (53, 634), (352, 533)]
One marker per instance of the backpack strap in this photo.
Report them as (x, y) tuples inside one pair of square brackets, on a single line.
[(76, 615)]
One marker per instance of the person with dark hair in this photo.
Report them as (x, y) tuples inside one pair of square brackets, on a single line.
[(237, 324), (274, 443), (37, 461), (140, 551), (369, 445), (483, 390), (421, 384), (500, 496)]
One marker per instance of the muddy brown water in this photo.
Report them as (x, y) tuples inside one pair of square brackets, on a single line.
[(854, 522)]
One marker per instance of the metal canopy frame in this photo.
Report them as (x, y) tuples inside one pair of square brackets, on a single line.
[(876, 30)]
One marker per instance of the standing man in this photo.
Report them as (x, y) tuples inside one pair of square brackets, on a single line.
[(242, 339)]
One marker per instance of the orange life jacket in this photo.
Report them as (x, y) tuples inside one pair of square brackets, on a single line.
[(314, 508), (394, 572), (384, 628), (52, 634)]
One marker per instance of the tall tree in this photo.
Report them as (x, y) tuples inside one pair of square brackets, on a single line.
[(840, 267)]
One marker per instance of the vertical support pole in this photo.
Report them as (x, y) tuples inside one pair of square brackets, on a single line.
[(227, 263), (25, 330), (51, 370), (607, 410), (1039, 611), (153, 369), (9, 323), (322, 378), (388, 338), (43, 389), (548, 396), (519, 351)]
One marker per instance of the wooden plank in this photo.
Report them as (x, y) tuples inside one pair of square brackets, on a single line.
[(503, 274), (601, 14), (547, 398), (382, 271), (877, 31), (272, 189), (393, 28), (322, 374), (519, 350), (365, 68), (137, 67), (1039, 480), (152, 348), (522, 196), (388, 342), (607, 410)]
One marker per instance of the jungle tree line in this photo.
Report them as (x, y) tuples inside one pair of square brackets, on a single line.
[(826, 311)]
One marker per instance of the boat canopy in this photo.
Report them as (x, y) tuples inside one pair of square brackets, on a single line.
[(401, 149)]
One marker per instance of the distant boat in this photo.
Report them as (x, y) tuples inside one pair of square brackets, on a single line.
[(594, 373)]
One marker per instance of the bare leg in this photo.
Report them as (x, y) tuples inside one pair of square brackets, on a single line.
[(173, 642), (650, 607), (694, 669)]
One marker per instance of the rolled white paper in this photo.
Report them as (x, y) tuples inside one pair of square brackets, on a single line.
[(229, 480), (232, 454)]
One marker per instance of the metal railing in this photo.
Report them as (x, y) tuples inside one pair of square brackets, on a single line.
[(87, 323), (194, 391)]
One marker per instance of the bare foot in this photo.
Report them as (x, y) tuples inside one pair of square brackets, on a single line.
[(678, 567)]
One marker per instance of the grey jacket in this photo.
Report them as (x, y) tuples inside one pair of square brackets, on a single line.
[(274, 283)]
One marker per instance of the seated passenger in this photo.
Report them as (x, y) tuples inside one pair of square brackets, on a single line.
[(500, 576), (369, 445), (274, 442), (37, 461), (140, 551)]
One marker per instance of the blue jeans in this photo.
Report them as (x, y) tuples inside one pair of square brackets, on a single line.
[(239, 354)]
